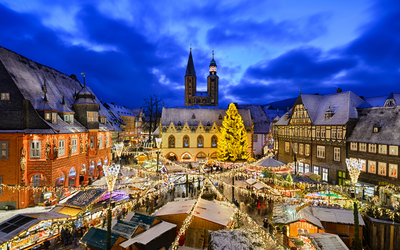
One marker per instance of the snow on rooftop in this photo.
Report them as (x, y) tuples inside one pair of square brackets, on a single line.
[(327, 241), (204, 116), (238, 239)]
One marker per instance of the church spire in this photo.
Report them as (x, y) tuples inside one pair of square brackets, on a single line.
[(190, 71)]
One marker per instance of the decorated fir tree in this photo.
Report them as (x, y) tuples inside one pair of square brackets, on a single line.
[(233, 145), (289, 178)]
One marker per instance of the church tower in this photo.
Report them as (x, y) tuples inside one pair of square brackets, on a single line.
[(212, 82), (201, 98), (190, 81)]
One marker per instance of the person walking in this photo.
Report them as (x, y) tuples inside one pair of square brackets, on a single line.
[(75, 235), (266, 223), (64, 236)]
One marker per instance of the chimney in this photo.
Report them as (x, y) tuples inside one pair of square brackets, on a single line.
[(362, 97), (113, 103), (316, 94), (339, 90)]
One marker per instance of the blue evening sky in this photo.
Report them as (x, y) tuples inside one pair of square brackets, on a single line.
[(265, 50)]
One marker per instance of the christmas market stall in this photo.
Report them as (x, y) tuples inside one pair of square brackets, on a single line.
[(30, 229), (327, 241), (207, 215), (88, 205)]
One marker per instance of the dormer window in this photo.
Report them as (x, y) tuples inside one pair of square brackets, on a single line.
[(376, 128), (103, 120), (208, 124), (179, 123), (5, 96), (47, 116), (69, 118), (220, 117), (53, 117), (193, 116)]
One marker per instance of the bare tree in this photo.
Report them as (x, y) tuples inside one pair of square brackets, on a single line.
[(152, 113)]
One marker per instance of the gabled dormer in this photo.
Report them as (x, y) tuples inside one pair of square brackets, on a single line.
[(171, 128), (65, 112), (214, 128), (329, 112), (390, 101), (44, 108), (186, 128), (200, 128)]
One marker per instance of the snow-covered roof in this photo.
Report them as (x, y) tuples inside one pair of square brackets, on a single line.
[(149, 235), (286, 214), (388, 120), (251, 181), (379, 101), (258, 186), (260, 118), (121, 110), (327, 241), (342, 216), (343, 104), (236, 239), (30, 76), (194, 116), (207, 210)]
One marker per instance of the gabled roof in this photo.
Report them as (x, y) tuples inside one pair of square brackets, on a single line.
[(204, 115), (260, 118), (97, 238), (344, 106), (389, 119), (29, 77), (327, 241)]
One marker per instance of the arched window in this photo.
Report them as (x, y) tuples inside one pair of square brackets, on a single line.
[(38, 180), (214, 141), (171, 141), (186, 141), (72, 177), (200, 141), (201, 156)]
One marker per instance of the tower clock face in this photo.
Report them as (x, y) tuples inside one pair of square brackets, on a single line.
[(213, 68)]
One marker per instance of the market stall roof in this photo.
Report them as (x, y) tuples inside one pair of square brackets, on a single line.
[(236, 239), (126, 230), (22, 222), (269, 162), (149, 235), (327, 241), (143, 220), (342, 216), (71, 211), (85, 197), (286, 214), (251, 181), (97, 238), (258, 186), (207, 210)]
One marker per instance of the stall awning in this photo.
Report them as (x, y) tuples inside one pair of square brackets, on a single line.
[(70, 211)]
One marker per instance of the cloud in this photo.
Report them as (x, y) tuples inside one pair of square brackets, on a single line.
[(245, 32)]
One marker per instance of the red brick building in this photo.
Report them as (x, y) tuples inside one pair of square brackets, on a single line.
[(53, 131)]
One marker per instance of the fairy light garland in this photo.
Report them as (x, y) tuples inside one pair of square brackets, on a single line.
[(187, 221)]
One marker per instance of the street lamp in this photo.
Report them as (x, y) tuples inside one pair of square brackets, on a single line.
[(294, 150), (354, 166), (158, 143), (111, 175)]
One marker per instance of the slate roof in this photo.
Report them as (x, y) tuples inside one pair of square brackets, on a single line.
[(121, 110), (260, 119), (190, 71), (97, 238), (379, 101), (389, 120), (344, 105), (204, 115), (29, 77)]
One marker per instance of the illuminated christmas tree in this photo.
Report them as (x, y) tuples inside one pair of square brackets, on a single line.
[(233, 145)]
